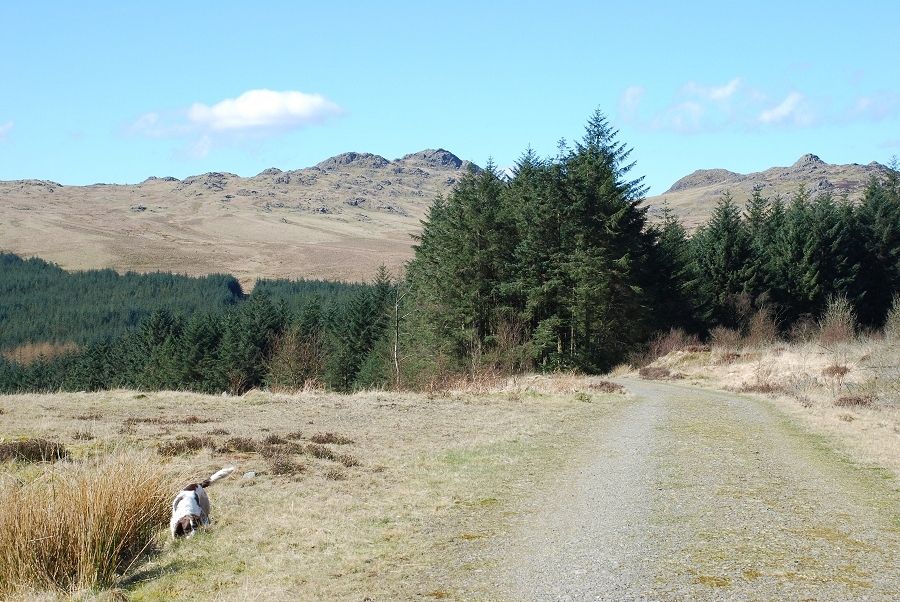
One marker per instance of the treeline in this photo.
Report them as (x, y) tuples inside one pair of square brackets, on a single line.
[(278, 343), (553, 268), (558, 267), (39, 301)]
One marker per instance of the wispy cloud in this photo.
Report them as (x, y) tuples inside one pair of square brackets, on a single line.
[(718, 93), (629, 102), (792, 110), (876, 107), (5, 128), (253, 114)]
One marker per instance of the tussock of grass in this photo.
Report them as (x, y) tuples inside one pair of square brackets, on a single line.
[(79, 526), (762, 387), (335, 474), (849, 401), (331, 438), (283, 465), (32, 450), (605, 386), (654, 372), (89, 416), (320, 451), (835, 371), (185, 445), (241, 444), (348, 460)]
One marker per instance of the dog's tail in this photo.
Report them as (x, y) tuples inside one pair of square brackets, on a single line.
[(219, 475)]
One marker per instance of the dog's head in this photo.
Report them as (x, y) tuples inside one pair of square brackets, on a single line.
[(187, 526)]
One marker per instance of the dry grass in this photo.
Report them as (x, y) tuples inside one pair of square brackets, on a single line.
[(851, 401), (32, 450), (80, 525), (654, 372), (185, 445), (806, 378), (605, 386), (385, 528), (331, 438)]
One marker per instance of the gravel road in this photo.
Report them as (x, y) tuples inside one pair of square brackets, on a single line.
[(689, 494)]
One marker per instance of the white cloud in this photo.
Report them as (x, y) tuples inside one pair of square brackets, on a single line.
[(876, 107), (263, 109), (629, 102), (253, 115), (717, 93), (685, 118), (791, 110), (5, 129)]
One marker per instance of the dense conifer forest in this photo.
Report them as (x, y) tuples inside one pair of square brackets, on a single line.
[(555, 267)]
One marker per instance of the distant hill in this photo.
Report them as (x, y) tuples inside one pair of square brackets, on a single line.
[(337, 220), (694, 196)]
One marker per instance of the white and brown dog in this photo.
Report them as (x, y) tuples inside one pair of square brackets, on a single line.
[(190, 508)]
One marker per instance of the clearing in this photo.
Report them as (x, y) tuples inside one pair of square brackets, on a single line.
[(547, 490)]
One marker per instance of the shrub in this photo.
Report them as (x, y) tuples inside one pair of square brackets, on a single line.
[(763, 329), (664, 343), (728, 338), (32, 450), (892, 324), (838, 323), (81, 526)]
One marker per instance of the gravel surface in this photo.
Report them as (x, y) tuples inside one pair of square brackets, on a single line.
[(689, 494)]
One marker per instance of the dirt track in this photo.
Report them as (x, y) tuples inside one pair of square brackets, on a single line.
[(693, 494)]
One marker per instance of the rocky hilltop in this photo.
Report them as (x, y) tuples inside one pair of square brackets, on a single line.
[(339, 219), (694, 196)]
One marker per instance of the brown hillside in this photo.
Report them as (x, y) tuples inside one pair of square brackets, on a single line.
[(337, 220), (694, 196)]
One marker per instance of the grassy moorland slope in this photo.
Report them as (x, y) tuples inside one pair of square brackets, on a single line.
[(338, 220)]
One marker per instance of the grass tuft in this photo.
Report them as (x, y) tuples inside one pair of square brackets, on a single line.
[(605, 386), (241, 444), (654, 372), (850, 401), (185, 445), (331, 438), (32, 450), (320, 451), (80, 526)]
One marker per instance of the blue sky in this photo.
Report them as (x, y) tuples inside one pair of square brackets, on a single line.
[(116, 92)]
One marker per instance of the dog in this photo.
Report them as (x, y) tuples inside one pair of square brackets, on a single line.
[(190, 508)]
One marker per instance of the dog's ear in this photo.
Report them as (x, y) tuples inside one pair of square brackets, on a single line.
[(185, 527)]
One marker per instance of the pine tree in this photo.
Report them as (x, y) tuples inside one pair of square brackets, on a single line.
[(721, 253)]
